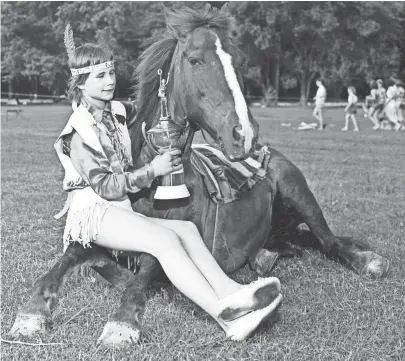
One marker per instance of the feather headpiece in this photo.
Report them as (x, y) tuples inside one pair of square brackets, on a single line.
[(70, 48), (69, 41)]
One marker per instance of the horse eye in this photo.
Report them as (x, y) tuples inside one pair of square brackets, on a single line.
[(193, 61)]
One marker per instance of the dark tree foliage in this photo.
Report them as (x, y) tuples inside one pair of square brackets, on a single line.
[(288, 44)]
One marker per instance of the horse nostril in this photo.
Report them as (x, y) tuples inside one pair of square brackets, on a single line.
[(237, 133)]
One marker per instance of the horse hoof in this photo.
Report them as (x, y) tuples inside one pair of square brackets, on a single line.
[(118, 334), (375, 266), (29, 325), (263, 262)]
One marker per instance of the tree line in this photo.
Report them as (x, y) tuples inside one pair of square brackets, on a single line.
[(288, 44)]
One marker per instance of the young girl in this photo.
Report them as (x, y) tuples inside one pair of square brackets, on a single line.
[(319, 98), (351, 109), (401, 103), (380, 102), (370, 105), (391, 104), (94, 149)]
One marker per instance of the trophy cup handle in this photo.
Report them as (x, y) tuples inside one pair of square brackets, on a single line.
[(148, 142)]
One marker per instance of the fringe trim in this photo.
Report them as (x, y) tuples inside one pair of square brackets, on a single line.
[(84, 225)]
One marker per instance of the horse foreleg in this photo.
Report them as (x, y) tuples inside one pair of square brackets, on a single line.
[(294, 194), (35, 317), (125, 325)]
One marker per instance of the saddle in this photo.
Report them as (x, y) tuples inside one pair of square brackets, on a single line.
[(224, 180)]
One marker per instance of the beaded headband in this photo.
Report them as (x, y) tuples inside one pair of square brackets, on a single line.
[(91, 68), (70, 48)]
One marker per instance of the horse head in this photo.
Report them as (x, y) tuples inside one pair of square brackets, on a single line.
[(205, 84)]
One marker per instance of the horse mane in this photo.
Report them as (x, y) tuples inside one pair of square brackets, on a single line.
[(158, 56), (185, 21)]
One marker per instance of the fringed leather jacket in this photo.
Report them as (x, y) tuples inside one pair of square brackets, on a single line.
[(95, 169)]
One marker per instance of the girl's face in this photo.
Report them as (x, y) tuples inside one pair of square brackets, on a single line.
[(349, 90), (100, 85), (318, 83)]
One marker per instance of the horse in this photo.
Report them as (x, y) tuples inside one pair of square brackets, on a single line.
[(204, 88)]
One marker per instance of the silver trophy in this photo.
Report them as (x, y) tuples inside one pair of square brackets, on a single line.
[(165, 136)]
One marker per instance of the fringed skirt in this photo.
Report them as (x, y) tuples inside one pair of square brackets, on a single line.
[(85, 215)]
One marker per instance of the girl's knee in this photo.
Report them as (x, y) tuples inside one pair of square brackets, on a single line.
[(185, 227), (166, 242), (190, 226)]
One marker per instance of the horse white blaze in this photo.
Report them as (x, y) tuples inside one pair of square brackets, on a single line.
[(240, 103)]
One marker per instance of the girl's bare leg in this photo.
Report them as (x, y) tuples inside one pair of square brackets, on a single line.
[(365, 110), (124, 230), (235, 299), (201, 256), (373, 115), (320, 120), (315, 113), (356, 127), (346, 127), (318, 115)]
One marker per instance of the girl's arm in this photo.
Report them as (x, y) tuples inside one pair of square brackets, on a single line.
[(94, 168)]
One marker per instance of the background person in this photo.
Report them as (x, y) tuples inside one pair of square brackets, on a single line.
[(320, 99), (369, 105), (401, 103), (391, 105), (381, 98), (351, 109)]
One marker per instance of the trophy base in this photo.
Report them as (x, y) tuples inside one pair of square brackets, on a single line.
[(172, 192)]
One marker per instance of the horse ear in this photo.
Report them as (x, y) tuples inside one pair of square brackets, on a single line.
[(175, 33), (224, 8), (207, 7)]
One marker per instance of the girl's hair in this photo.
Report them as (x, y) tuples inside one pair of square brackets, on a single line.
[(85, 55), (353, 89), (320, 80), (373, 84)]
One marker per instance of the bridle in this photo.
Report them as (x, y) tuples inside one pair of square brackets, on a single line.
[(218, 143)]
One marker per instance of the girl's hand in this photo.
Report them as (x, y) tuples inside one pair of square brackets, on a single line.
[(167, 163)]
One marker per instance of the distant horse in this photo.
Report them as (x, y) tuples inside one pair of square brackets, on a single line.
[(205, 87)]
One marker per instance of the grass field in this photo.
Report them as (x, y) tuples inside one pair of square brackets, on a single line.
[(329, 313)]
